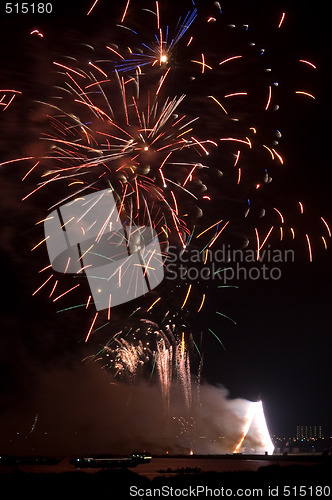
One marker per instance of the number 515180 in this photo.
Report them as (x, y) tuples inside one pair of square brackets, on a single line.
[(28, 8)]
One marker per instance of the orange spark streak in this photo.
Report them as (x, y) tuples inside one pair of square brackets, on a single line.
[(175, 203), (269, 98), (309, 248), (122, 202), (66, 268), (305, 93), (282, 19), (308, 62), (31, 169), (200, 234), (124, 100), (92, 324), (42, 241), (161, 40), (125, 11), (83, 268), (69, 69), (177, 229), (270, 151), (137, 196), (157, 12), (100, 70), (16, 159), (87, 251), (258, 245), (162, 79), (229, 59), (266, 238), (212, 142), (75, 182), (88, 302), (65, 293), (137, 112), (206, 256), (11, 90), (327, 226), (189, 175), (8, 103), (281, 216), (41, 286), (186, 297), (203, 300), (235, 94), (247, 142), (93, 6), (109, 308), (55, 284), (221, 230), (115, 52), (155, 302), (200, 144), (237, 158), (203, 63), (183, 345), (44, 268), (278, 156)]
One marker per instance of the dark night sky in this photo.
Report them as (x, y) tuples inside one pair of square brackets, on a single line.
[(281, 346)]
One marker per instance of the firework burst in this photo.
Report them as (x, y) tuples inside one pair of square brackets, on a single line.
[(185, 137)]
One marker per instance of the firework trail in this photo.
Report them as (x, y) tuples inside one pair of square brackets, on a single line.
[(127, 357), (35, 420), (164, 362), (183, 368), (148, 349), (7, 96)]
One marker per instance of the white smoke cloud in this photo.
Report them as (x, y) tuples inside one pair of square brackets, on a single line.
[(85, 412)]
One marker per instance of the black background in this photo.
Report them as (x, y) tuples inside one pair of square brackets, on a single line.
[(281, 345)]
